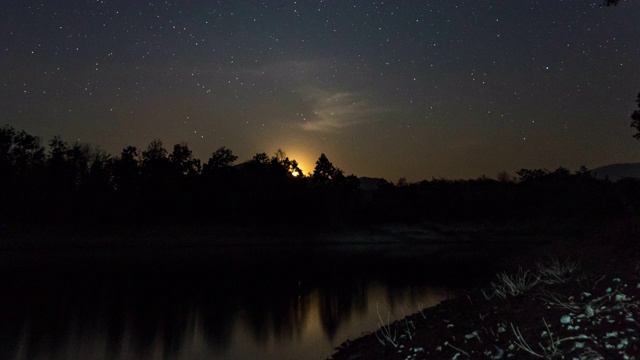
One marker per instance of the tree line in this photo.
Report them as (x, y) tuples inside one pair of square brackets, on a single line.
[(79, 186)]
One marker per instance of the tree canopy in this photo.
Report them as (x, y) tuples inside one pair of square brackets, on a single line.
[(78, 184), (635, 120)]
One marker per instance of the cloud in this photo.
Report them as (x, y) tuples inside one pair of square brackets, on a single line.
[(333, 111)]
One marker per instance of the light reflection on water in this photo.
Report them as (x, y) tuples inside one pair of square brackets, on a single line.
[(294, 309), (308, 338), (313, 341)]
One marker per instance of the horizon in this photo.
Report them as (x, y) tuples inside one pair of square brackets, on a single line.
[(453, 90), (307, 167)]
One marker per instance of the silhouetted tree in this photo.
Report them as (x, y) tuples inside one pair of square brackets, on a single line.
[(155, 152), (531, 174), (80, 177), (325, 172), (22, 174), (81, 184), (336, 195), (182, 158), (260, 158), (79, 158), (270, 190), (560, 172), (157, 183), (351, 182), (92, 166), (218, 187), (27, 152), (385, 184), (57, 150), (126, 181), (221, 158), (19, 150), (280, 163), (504, 177), (7, 133), (635, 120), (584, 172), (126, 170), (62, 175), (180, 188), (130, 156), (156, 167), (93, 183), (77, 165)]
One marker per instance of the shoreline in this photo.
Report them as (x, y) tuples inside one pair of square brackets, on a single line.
[(594, 310)]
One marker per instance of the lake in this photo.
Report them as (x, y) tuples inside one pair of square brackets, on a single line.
[(249, 301)]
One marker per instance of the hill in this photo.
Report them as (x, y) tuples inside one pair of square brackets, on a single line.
[(615, 172)]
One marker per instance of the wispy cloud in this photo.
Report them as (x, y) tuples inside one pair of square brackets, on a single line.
[(333, 111)]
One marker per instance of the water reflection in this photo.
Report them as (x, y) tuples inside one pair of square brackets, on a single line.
[(223, 309)]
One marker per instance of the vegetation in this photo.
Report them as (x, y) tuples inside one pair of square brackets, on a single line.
[(635, 120), (79, 186)]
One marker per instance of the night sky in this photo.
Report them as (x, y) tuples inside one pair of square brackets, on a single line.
[(415, 89)]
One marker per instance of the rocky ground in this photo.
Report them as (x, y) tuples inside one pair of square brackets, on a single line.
[(581, 303)]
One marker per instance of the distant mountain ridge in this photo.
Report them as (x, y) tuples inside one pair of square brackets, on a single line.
[(615, 172)]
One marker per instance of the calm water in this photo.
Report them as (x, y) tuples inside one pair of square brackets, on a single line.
[(243, 302)]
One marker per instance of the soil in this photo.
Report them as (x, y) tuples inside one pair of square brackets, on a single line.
[(583, 303)]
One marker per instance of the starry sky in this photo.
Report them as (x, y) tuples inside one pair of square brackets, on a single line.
[(416, 89)]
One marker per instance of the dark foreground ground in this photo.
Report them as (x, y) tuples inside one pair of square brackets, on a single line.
[(574, 299)]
